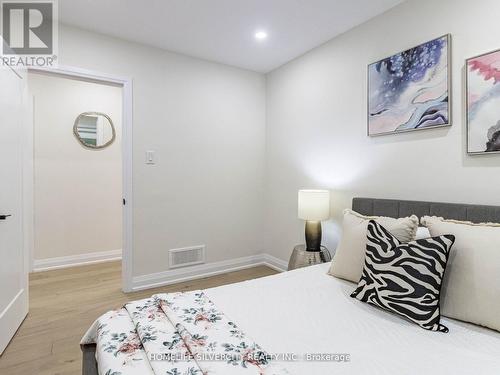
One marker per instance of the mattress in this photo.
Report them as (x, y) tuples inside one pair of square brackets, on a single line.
[(310, 314)]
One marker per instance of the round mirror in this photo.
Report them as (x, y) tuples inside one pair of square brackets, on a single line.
[(94, 130)]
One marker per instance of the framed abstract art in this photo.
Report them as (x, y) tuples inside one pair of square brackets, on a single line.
[(483, 103), (410, 90)]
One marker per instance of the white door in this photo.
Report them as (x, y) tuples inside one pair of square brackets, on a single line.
[(13, 270)]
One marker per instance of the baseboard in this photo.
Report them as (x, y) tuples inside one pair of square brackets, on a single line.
[(76, 260), (205, 270), (275, 263)]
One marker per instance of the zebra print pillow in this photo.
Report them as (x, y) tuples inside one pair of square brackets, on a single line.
[(404, 278)]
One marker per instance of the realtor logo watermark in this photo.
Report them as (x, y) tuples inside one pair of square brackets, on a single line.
[(256, 357), (29, 33)]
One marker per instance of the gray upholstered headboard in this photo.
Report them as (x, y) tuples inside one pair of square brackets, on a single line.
[(400, 208)]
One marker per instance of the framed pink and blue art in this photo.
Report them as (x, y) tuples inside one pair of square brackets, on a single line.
[(483, 103), (411, 89)]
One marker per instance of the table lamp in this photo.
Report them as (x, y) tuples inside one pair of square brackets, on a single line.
[(313, 206)]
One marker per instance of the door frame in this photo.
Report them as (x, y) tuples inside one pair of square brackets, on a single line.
[(127, 161)]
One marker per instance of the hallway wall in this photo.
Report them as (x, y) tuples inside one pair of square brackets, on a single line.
[(78, 191)]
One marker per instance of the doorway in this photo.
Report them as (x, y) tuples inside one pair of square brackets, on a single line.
[(82, 152)]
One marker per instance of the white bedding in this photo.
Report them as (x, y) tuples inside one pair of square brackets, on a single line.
[(308, 311)]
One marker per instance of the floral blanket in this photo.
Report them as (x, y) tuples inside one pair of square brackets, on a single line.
[(175, 334)]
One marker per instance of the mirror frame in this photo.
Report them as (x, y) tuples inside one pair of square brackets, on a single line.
[(90, 147)]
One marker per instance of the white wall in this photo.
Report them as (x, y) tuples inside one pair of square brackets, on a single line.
[(316, 122), (78, 192), (206, 122)]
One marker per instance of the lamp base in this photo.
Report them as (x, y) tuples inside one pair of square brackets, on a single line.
[(313, 235)]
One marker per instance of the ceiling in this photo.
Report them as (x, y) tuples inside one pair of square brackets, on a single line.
[(223, 30)]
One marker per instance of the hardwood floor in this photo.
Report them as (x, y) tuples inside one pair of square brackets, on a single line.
[(64, 303)]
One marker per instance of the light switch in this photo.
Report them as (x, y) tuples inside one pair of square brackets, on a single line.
[(150, 157)]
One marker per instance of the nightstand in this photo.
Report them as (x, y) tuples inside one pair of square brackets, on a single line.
[(302, 258)]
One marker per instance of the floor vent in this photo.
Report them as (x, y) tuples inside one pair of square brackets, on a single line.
[(187, 256)]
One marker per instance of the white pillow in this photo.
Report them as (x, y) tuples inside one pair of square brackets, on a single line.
[(422, 232), (471, 286), (350, 254)]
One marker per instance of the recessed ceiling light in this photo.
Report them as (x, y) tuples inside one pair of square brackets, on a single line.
[(260, 35)]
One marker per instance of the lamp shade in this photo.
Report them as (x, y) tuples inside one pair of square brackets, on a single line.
[(314, 205)]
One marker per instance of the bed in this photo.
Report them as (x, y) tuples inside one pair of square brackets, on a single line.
[(308, 312)]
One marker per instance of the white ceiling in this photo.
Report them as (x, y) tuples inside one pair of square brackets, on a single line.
[(223, 30)]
